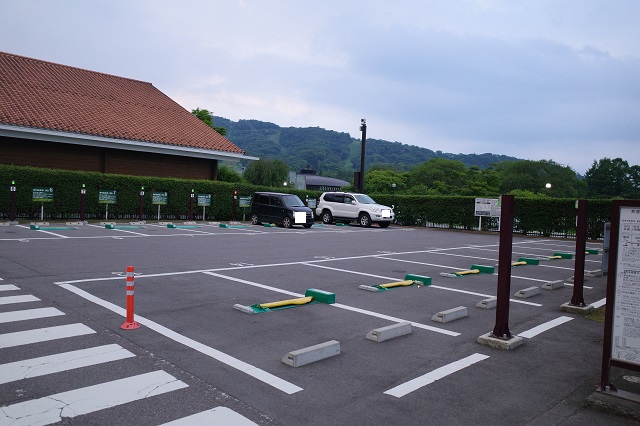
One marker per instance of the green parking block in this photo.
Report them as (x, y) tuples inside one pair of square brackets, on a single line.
[(340, 224), (321, 296), (170, 225), (529, 260), (110, 226), (592, 251), (49, 228), (563, 255), (421, 280), (483, 269)]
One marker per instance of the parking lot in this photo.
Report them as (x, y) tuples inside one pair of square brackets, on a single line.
[(202, 356)]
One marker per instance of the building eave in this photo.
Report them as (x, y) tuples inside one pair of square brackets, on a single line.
[(56, 136)]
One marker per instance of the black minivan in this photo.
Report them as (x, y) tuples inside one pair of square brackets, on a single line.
[(284, 209)]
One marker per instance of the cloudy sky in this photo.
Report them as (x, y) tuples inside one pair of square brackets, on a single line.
[(535, 79)]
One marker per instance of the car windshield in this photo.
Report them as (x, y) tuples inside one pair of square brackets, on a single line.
[(292, 201), (364, 199)]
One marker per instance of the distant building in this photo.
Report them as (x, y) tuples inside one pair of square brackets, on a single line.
[(56, 116), (307, 179)]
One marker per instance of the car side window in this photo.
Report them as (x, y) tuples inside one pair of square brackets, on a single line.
[(347, 199), (276, 201), (263, 199)]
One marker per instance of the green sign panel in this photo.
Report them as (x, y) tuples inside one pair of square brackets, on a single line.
[(159, 198), (204, 200), (245, 201), (107, 197), (43, 194)]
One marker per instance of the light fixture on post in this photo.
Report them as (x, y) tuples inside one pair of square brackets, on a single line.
[(363, 129)]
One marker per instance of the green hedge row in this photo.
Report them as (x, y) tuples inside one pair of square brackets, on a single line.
[(67, 186), (533, 216)]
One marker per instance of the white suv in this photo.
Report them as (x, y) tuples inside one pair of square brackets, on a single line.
[(346, 206)]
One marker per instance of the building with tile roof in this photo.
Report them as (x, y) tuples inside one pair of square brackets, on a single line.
[(57, 116)]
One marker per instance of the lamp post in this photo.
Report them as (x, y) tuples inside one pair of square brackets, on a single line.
[(83, 192), (363, 129), (140, 216), (12, 205)]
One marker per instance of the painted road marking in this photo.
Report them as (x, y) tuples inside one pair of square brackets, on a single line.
[(45, 232), (544, 327), (338, 305), (19, 338), (18, 299), (54, 408), (437, 374), (242, 366), (455, 290), (215, 416), (599, 303), (8, 287), (122, 230), (28, 314), (42, 366)]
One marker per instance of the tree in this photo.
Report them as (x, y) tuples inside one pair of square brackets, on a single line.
[(267, 173), (609, 178), (207, 118), (384, 181), (228, 174), (444, 175), (533, 176)]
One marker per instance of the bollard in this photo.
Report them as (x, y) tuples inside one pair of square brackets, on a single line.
[(130, 324)]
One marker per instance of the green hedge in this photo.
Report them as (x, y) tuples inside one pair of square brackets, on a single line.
[(67, 185), (532, 216)]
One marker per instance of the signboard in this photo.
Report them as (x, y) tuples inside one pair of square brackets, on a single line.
[(43, 194), (204, 200), (312, 203), (159, 198), (625, 345), (107, 197), (245, 201), (488, 207)]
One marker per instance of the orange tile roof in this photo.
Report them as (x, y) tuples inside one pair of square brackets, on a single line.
[(45, 95)]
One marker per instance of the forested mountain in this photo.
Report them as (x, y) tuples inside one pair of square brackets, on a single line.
[(333, 153)]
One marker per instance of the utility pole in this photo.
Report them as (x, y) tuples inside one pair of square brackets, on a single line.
[(363, 129)]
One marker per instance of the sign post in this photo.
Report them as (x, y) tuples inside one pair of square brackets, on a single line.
[(487, 207), (42, 194), (191, 205), (621, 346), (12, 206), (160, 199), (204, 201), (107, 197), (83, 192), (235, 203), (244, 202)]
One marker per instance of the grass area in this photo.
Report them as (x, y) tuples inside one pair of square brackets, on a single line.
[(596, 314)]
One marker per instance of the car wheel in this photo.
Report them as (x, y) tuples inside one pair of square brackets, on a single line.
[(327, 217), (308, 225), (286, 222), (383, 224), (364, 220), (254, 219)]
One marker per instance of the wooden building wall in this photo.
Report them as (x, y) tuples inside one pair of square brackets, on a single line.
[(26, 152)]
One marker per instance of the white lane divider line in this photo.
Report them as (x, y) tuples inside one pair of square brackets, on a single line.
[(28, 314), (437, 374), (599, 303), (215, 416), (544, 327), (8, 287), (338, 305), (242, 366), (6, 300), (50, 364), (38, 335), (54, 408)]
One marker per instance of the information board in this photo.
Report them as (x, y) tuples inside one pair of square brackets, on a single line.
[(107, 197), (488, 207), (204, 200), (625, 342), (245, 201), (159, 198), (42, 194)]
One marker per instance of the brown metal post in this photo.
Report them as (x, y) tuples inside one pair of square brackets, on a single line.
[(501, 328), (581, 245), (12, 204)]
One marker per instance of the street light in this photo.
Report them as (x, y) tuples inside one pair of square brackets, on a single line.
[(548, 186), (363, 129)]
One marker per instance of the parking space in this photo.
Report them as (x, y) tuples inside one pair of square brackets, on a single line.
[(188, 280)]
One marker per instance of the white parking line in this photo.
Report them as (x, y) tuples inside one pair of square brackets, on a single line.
[(50, 364), (437, 374), (246, 368), (544, 327), (599, 303), (8, 287), (45, 232), (341, 306), (54, 408), (19, 338), (215, 416), (18, 299), (28, 314), (126, 231)]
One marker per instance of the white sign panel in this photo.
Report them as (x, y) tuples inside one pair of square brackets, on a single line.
[(300, 217), (626, 311), (488, 207)]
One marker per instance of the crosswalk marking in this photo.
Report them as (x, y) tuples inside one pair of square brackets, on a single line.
[(18, 299), (29, 314), (8, 287), (215, 416), (18, 338), (41, 366), (53, 408)]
